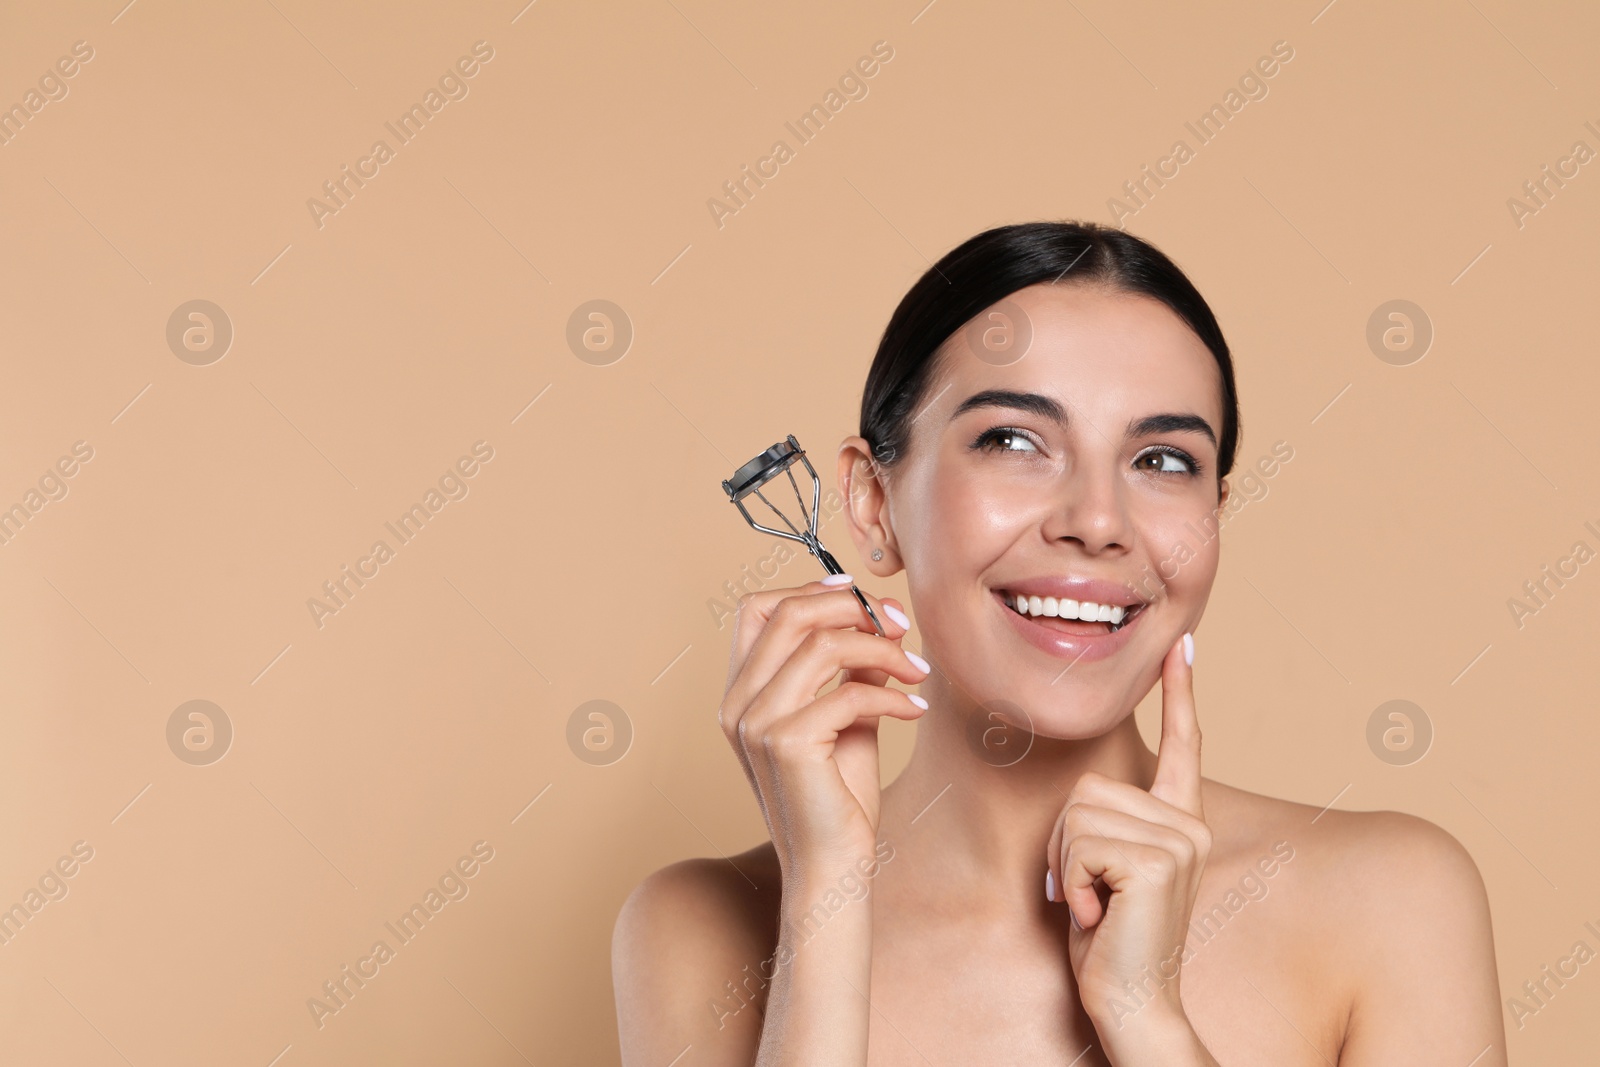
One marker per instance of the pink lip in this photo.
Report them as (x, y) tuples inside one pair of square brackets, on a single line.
[(1075, 648), (1080, 589)]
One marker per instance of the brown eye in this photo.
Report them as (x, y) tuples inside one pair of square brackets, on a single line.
[(1166, 461), (1013, 440)]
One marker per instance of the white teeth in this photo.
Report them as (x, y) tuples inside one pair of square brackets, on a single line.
[(1064, 608)]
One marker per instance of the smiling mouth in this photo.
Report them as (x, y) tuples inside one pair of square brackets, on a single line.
[(1071, 616)]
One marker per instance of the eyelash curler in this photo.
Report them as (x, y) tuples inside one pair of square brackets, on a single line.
[(764, 468)]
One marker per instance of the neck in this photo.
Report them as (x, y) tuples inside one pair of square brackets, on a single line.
[(973, 815)]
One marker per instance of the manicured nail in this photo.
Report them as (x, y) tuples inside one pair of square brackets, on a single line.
[(1074, 915), (1188, 649), (897, 615), (837, 579), (1049, 885), (917, 661), (918, 701)]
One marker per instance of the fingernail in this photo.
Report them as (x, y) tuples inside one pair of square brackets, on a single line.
[(837, 579), (897, 615), (1049, 885), (1074, 917), (917, 661), (918, 701), (1188, 649)]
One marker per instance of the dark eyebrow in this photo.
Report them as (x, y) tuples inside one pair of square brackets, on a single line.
[(1047, 408), (1171, 422), (1032, 403)]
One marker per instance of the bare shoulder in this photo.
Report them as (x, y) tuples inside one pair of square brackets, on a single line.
[(686, 955), (1362, 865), (730, 892), (1390, 909)]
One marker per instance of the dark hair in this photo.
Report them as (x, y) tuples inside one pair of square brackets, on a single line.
[(996, 263)]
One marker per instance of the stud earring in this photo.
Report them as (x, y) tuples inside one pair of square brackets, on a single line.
[(877, 553)]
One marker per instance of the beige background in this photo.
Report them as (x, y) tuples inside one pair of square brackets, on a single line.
[(431, 311)]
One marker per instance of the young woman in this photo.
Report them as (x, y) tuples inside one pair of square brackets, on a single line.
[(1045, 437)]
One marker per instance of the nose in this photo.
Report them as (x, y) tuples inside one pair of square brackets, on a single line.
[(1091, 508)]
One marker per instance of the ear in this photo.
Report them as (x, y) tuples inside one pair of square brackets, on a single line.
[(1222, 497), (866, 506)]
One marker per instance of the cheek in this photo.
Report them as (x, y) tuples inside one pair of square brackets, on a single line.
[(943, 528), (1183, 552), (964, 526), (951, 531)]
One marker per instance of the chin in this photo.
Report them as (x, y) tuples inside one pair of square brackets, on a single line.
[(1051, 699), (1079, 712)]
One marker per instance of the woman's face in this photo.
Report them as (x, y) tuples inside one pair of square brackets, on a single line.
[(1085, 469)]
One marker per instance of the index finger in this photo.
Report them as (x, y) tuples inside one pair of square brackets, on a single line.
[(753, 633), (1177, 778)]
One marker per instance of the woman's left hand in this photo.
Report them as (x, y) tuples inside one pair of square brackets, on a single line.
[(1148, 850)]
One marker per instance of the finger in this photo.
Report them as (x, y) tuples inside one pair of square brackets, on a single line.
[(1092, 820), (795, 765), (1089, 820), (822, 721), (755, 611), (1119, 864), (1177, 779), (1052, 864), (795, 618), (1104, 791), (868, 674), (1053, 854), (785, 618), (821, 655)]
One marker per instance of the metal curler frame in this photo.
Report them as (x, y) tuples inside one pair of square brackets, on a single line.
[(779, 459)]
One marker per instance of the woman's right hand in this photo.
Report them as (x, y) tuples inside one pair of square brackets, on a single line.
[(813, 761)]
